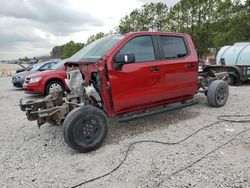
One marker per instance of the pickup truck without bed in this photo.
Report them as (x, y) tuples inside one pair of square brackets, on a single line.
[(126, 76)]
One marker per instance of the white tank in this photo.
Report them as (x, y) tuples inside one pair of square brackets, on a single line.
[(238, 54)]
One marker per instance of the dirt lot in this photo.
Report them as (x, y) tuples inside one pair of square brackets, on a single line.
[(32, 157), (9, 69)]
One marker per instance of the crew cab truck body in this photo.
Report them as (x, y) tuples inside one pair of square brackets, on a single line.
[(126, 76)]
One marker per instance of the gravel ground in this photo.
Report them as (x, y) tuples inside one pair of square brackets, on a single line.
[(33, 157)]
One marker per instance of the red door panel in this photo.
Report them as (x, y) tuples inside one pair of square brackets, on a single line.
[(179, 79), (136, 85)]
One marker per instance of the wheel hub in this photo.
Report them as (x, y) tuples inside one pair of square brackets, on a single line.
[(88, 129), (221, 94), (55, 87)]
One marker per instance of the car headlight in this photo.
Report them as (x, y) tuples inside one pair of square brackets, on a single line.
[(35, 79)]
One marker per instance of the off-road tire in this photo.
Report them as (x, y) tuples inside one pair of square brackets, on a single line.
[(51, 83), (217, 93), (78, 121)]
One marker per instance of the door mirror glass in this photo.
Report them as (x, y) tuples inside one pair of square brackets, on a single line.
[(125, 58), (122, 59)]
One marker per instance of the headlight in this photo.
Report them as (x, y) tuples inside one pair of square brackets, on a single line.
[(35, 79)]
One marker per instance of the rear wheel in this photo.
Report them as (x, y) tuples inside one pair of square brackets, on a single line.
[(217, 93), (233, 79), (85, 128)]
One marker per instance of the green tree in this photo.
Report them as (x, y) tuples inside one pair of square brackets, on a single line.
[(66, 50), (195, 17), (151, 17), (57, 52), (71, 48), (92, 38), (233, 23), (211, 23)]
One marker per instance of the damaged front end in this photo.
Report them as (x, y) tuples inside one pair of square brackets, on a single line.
[(55, 107)]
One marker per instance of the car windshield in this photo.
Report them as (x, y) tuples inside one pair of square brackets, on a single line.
[(36, 67), (92, 52), (59, 65), (29, 67)]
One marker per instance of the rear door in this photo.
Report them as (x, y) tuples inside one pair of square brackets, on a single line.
[(179, 68)]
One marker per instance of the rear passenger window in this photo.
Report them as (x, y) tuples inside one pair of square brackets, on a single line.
[(173, 47), (141, 47)]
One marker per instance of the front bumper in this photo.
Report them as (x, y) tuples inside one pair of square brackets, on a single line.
[(33, 88), (17, 82)]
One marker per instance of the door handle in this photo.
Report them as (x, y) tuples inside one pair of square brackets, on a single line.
[(190, 65), (154, 69)]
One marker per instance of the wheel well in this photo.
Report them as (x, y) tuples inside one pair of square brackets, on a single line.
[(54, 79), (228, 69)]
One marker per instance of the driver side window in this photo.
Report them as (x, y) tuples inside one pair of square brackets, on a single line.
[(141, 47)]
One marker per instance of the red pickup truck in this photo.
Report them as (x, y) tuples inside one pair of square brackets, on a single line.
[(127, 76)]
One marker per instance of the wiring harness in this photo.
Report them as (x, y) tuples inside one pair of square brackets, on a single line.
[(222, 118)]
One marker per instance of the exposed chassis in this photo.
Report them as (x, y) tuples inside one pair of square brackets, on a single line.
[(54, 108)]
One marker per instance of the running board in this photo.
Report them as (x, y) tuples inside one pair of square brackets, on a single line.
[(167, 108)]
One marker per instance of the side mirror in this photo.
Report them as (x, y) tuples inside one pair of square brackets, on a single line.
[(122, 59)]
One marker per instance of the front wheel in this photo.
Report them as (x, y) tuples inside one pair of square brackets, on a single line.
[(85, 128), (54, 86), (217, 93)]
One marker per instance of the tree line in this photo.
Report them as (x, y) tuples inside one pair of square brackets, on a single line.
[(210, 23), (70, 48)]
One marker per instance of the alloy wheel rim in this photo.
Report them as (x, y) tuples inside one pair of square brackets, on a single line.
[(55, 87), (221, 95)]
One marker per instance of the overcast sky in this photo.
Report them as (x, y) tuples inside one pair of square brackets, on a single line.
[(33, 27)]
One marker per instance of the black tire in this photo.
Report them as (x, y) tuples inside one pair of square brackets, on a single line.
[(233, 79), (217, 93), (55, 83), (85, 128)]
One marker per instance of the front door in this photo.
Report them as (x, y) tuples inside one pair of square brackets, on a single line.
[(136, 85)]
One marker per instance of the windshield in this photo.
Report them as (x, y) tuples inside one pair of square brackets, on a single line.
[(97, 49), (29, 67), (36, 67), (93, 52), (59, 65)]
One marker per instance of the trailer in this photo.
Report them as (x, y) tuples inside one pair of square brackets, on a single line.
[(235, 60)]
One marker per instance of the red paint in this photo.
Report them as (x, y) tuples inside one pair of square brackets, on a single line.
[(135, 87), (39, 87)]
